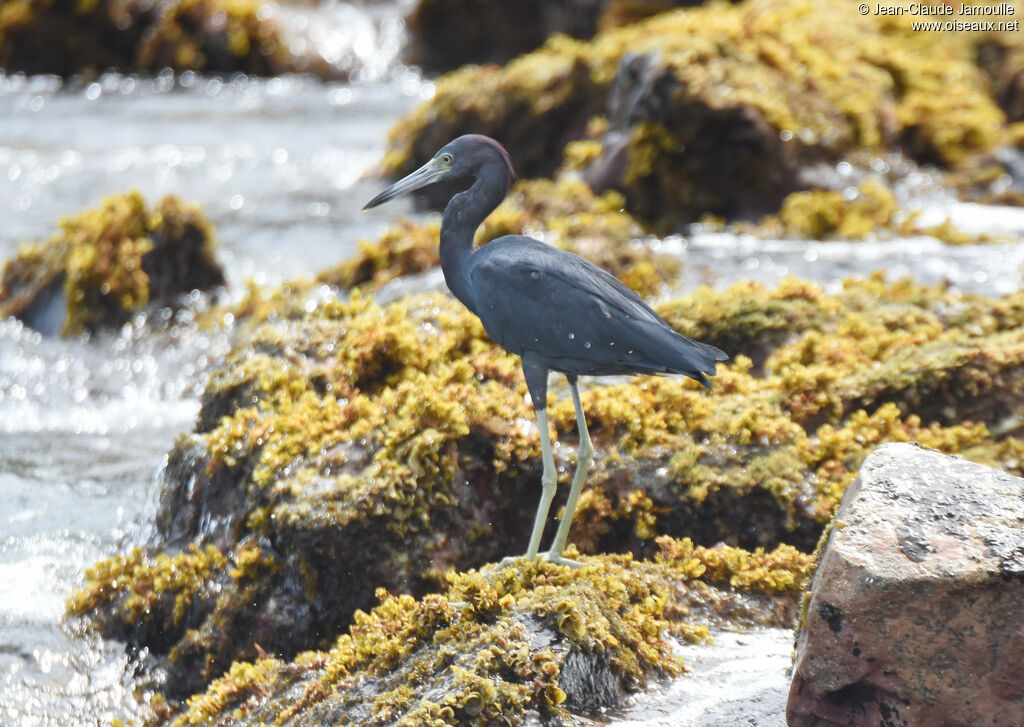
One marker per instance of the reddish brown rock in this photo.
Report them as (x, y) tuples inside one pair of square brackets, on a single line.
[(916, 613)]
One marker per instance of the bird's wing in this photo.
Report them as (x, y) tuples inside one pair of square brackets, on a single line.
[(578, 317)]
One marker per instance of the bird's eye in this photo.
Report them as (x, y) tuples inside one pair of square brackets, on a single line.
[(446, 158)]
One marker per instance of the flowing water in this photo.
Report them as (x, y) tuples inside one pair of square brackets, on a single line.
[(742, 680), (278, 164)]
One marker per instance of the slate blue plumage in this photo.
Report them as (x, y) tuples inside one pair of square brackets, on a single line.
[(556, 310)]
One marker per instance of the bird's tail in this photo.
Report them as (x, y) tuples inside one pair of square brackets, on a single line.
[(680, 354), (707, 357)]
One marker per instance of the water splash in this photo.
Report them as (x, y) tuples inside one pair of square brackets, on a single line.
[(739, 679)]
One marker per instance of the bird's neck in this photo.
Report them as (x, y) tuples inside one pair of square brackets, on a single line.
[(464, 214)]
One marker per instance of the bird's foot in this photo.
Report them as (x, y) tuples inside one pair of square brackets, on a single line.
[(558, 559), (516, 560), (503, 563)]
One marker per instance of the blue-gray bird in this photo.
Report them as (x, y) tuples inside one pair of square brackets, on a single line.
[(554, 309)]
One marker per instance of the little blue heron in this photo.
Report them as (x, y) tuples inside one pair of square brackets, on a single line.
[(554, 309)]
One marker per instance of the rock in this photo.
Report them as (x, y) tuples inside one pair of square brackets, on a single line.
[(445, 34), (672, 147), (106, 263), (1001, 56), (354, 445), (65, 37), (530, 644), (914, 616), (722, 109)]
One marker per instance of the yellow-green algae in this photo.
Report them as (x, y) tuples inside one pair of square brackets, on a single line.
[(99, 258), (494, 647), (820, 214), (161, 588), (864, 212), (792, 80), (180, 37), (827, 83), (67, 36), (146, 579), (565, 212), (398, 440), (187, 599), (407, 378), (877, 362)]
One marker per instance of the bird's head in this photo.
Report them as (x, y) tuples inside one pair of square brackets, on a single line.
[(469, 156)]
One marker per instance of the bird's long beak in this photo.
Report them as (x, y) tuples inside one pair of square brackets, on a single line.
[(429, 173)]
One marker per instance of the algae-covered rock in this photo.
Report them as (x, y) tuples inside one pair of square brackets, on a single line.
[(367, 447), (178, 604), (69, 37), (512, 645), (823, 214), (718, 109), (563, 213), (866, 211), (106, 263), (364, 446)]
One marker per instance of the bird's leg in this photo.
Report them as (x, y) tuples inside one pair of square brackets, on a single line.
[(548, 480), (536, 375), (584, 458)]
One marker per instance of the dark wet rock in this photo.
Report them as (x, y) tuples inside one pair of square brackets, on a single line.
[(1001, 56), (722, 157), (195, 500), (182, 604), (913, 616), (105, 264), (445, 34)]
